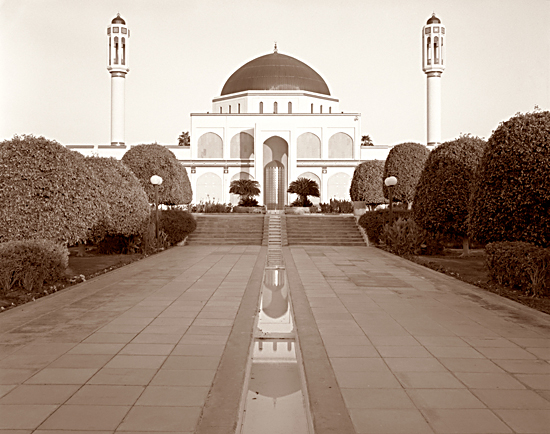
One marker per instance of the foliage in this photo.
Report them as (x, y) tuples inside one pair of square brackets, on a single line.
[(366, 184), (126, 203), (405, 162), (336, 206), (46, 191), (374, 221), (366, 141), (404, 237), (184, 139), (148, 160), (441, 201), (31, 263), (210, 207), (303, 187), (511, 194), (247, 189), (176, 224), (519, 265)]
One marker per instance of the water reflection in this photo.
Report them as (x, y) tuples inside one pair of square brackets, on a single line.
[(274, 401), (275, 318)]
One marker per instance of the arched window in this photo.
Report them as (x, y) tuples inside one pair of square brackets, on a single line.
[(261, 107), (210, 145), (275, 107), (124, 51), (340, 145), (290, 107), (116, 50), (311, 107), (320, 109), (229, 109), (442, 48), (239, 108), (221, 110), (109, 50), (241, 146), (330, 109), (429, 51), (308, 145), (436, 49)]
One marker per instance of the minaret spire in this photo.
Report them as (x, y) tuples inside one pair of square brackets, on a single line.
[(433, 64), (275, 50)]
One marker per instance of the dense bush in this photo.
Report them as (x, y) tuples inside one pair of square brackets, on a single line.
[(404, 237), (519, 265), (440, 204), (31, 263), (374, 221), (405, 162), (148, 160), (366, 184), (127, 206), (46, 192), (176, 224), (337, 206), (511, 194)]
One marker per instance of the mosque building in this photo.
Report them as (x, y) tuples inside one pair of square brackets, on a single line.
[(274, 121)]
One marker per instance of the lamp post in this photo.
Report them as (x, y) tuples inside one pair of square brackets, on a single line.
[(156, 181), (390, 182)]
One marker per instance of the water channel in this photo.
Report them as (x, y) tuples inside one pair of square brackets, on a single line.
[(275, 396)]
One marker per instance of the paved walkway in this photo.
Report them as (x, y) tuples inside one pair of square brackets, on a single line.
[(161, 346)]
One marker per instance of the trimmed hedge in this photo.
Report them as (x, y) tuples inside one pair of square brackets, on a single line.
[(405, 162), (31, 263), (367, 181), (46, 192), (441, 201), (148, 160), (511, 195), (176, 224), (519, 265), (127, 205)]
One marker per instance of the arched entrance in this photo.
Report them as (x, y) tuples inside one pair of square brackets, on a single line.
[(275, 172)]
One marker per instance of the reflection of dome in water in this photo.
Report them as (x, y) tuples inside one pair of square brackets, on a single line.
[(275, 380), (274, 303)]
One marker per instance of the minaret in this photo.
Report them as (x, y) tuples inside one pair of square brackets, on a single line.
[(117, 65), (433, 64)]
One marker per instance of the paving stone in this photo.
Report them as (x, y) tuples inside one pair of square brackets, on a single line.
[(376, 398), (386, 421), (174, 396), (526, 421), (488, 380), (184, 377), (123, 376), (428, 380), (158, 418), (86, 417), (444, 398), (62, 376), (478, 421), (81, 361), (21, 417), (511, 399), (106, 395), (39, 394)]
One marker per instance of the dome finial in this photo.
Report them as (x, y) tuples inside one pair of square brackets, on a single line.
[(275, 48)]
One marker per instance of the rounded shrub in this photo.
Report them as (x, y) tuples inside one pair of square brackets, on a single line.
[(176, 224), (127, 206), (46, 192), (148, 160), (511, 194), (31, 263), (441, 200), (366, 184), (405, 162)]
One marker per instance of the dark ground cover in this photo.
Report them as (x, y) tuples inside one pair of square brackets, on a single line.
[(471, 269), (81, 268)]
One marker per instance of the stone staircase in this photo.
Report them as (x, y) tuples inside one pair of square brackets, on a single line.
[(246, 229), (323, 230)]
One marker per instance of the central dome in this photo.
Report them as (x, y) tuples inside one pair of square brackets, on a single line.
[(275, 71)]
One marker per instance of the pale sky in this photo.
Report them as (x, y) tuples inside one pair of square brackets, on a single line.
[(54, 80)]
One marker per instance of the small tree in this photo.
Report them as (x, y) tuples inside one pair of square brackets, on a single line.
[(511, 194), (46, 191), (366, 141), (441, 201), (247, 189), (366, 184), (303, 187), (405, 162), (184, 139), (148, 160)]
